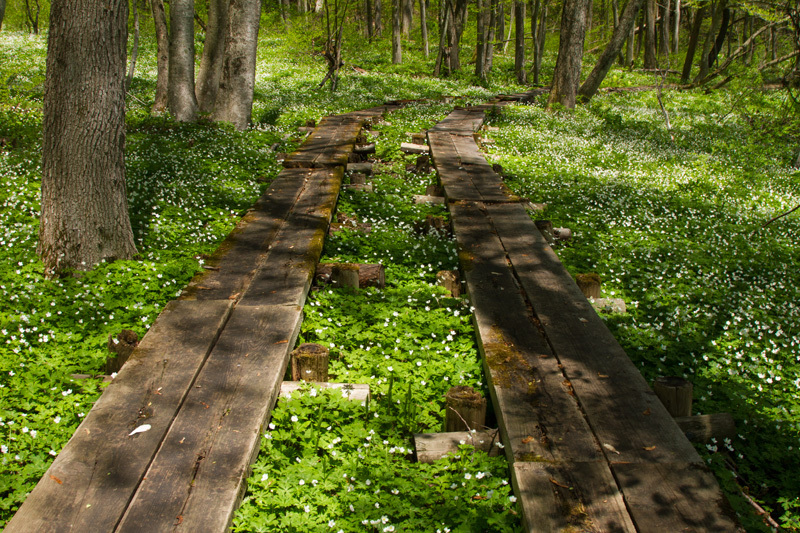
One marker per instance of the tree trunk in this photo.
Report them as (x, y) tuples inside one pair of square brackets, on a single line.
[(692, 47), (397, 49), (33, 18), (2, 12), (378, 18), (501, 24), (723, 32), (135, 51), (567, 75), (480, 44), (631, 47), (370, 24), (182, 100), (676, 33), (458, 23), (423, 26), (537, 52), (84, 216), (443, 54), (663, 41), (208, 76), (408, 16), (541, 36), (162, 42), (519, 40), (650, 61), (490, 36), (621, 32), (708, 45), (235, 95)]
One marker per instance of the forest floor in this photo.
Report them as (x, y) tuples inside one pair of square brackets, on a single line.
[(671, 226)]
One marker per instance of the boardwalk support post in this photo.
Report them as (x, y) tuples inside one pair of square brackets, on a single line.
[(345, 275), (676, 395), (466, 409), (310, 363)]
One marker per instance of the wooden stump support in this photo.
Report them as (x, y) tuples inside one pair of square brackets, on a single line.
[(676, 395), (310, 362), (466, 409)]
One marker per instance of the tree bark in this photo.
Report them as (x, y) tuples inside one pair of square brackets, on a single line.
[(423, 26), (84, 216), (720, 40), (33, 19), (490, 36), (458, 23), (567, 75), (677, 27), (370, 24), (2, 12), (408, 16), (235, 97), (378, 18), (692, 47), (182, 100), (480, 44), (208, 77), (443, 54), (135, 51), (663, 41), (621, 32), (519, 40), (397, 48), (537, 8), (650, 61), (501, 24), (162, 42)]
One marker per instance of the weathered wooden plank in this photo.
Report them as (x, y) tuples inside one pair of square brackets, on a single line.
[(286, 274), (90, 483), (573, 497), (327, 146), (463, 171), (464, 120), (538, 416), (358, 392), (196, 479), (431, 447), (674, 497), (622, 409), (234, 263)]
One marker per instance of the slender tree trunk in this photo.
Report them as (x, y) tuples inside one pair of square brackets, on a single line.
[(676, 33), (2, 12), (535, 11), (182, 100), (397, 49), (519, 40), (135, 51), (490, 37), (443, 54), (501, 24), (378, 18), (235, 96), (663, 41), (370, 24), (423, 26), (650, 60), (511, 27), (208, 76), (541, 34), (458, 23), (567, 75), (480, 45), (708, 45), (84, 215), (720, 40), (33, 18), (694, 37), (162, 42), (621, 32), (631, 46), (589, 16)]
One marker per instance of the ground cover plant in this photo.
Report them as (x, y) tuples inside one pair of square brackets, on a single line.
[(187, 187), (675, 228), (331, 464)]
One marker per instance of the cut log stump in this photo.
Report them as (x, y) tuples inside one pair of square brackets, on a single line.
[(310, 362), (449, 279), (411, 148), (676, 395), (345, 275), (466, 409), (369, 275), (589, 284), (121, 348), (703, 428)]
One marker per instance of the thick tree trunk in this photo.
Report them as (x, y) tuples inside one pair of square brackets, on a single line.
[(423, 26), (694, 37), (708, 46), (408, 16), (378, 18), (235, 96), (519, 40), (208, 76), (2, 12), (631, 47), (650, 61), (621, 32), (458, 23), (84, 216), (182, 100), (567, 75), (162, 42), (397, 36)]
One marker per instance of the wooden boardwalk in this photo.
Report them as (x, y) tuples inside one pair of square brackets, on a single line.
[(591, 447), (201, 384)]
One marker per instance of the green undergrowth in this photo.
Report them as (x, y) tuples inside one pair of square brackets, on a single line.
[(331, 464), (675, 229)]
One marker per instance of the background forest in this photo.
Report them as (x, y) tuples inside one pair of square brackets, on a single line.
[(676, 171)]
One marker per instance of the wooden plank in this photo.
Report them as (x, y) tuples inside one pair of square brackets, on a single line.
[(622, 409), (431, 447), (90, 483), (234, 263), (574, 497), (538, 417), (286, 274), (674, 497), (327, 146), (464, 120), (457, 185), (196, 479), (358, 392)]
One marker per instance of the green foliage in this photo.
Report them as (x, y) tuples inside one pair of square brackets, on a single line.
[(674, 228)]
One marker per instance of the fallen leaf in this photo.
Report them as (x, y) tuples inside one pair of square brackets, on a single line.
[(554, 482), (54, 478), (649, 448), (602, 375), (646, 412), (527, 439), (140, 429), (611, 449), (282, 342)]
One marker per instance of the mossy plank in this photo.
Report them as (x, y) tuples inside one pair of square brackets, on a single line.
[(329, 145), (621, 407), (89, 485), (196, 479), (570, 498)]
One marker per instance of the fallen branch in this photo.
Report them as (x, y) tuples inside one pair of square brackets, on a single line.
[(779, 60), (736, 53), (789, 212)]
